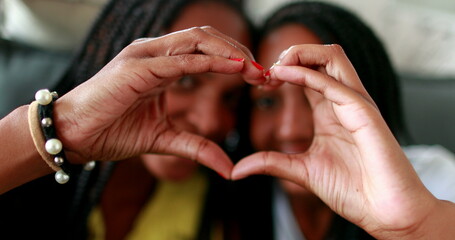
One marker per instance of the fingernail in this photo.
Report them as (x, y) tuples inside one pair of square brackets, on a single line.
[(284, 53), (257, 65), (221, 175), (269, 72), (238, 59), (267, 80)]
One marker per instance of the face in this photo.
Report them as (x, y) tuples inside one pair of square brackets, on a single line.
[(282, 118), (203, 104)]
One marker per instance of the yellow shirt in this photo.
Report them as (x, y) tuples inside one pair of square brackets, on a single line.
[(174, 212)]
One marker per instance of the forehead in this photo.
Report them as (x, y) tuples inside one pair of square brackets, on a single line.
[(226, 20), (216, 14), (282, 38)]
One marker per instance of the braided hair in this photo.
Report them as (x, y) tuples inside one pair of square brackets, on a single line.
[(335, 25)]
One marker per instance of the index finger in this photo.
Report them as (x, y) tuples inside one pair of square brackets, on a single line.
[(330, 57), (250, 73), (197, 40)]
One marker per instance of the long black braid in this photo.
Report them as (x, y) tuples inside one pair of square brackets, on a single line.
[(336, 25)]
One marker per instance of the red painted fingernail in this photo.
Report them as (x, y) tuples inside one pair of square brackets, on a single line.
[(238, 59), (267, 74), (221, 175), (257, 65)]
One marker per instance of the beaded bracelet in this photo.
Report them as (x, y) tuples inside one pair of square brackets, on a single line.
[(44, 134)]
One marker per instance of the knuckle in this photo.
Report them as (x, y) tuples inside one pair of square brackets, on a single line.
[(139, 40), (290, 51), (202, 146), (132, 48), (207, 27), (126, 64), (185, 59), (336, 49), (292, 48), (196, 30)]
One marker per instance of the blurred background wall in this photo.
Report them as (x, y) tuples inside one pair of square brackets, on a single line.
[(418, 34), (57, 25)]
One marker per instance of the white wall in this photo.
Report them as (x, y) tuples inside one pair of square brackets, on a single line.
[(48, 24), (418, 34)]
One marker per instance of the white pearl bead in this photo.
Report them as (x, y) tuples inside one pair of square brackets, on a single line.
[(43, 97), (53, 146), (61, 177), (89, 166)]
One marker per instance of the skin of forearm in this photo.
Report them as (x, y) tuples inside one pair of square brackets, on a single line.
[(20, 162), (438, 224)]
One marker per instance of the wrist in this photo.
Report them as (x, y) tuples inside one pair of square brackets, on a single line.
[(19, 160), (436, 224), (67, 131), (46, 138), (439, 223)]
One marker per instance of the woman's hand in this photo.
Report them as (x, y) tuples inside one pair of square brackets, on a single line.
[(354, 164), (120, 113)]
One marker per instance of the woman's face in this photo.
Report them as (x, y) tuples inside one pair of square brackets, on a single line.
[(203, 104), (282, 118)]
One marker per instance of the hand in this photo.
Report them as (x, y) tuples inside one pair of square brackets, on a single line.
[(120, 113), (354, 164)]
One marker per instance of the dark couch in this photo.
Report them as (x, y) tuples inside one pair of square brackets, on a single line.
[(429, 106)]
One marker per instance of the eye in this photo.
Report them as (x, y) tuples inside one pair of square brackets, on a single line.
[(265, 103), (185, 84)]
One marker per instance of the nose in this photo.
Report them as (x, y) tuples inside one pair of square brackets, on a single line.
[(209, 117), (295, 121)]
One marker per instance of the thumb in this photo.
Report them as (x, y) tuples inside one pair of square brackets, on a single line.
[(196, 148), (286, 166)]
